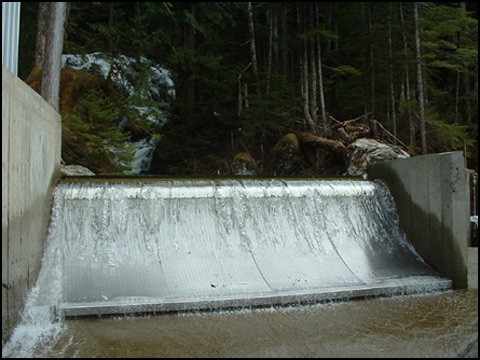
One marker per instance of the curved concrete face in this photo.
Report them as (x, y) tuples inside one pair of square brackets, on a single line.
[(122, 248)]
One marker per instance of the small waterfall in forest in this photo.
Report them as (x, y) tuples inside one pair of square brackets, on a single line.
[(173, 245), (129, 246)]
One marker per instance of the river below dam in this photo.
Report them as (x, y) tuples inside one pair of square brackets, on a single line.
[(443, 324)]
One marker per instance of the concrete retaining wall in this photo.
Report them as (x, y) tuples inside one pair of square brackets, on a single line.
[(432, 199), (31, 143), (473, 267)]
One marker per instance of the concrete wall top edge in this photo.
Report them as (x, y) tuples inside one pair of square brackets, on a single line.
[(32, 94), (449, 154)]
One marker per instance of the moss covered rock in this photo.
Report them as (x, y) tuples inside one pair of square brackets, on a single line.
[(244, 164), (74, 84), (287, 155), (91, 133)]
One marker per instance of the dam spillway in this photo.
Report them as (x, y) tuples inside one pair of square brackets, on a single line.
[(154, 246)]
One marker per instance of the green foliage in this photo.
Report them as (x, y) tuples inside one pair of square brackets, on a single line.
[(191, 146), (444, 136), (347, 70), (206, 45), (324, 34), (91, 137)]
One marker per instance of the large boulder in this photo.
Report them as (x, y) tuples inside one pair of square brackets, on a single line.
[(244, 164), (92, 87), (75, 170), (363, 152), (287, 155), (74, 84)]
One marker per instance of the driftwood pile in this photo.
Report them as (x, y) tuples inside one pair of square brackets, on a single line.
[(332, 150)]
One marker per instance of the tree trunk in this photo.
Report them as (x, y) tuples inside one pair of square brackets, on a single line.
[(371, 58), (313, 70), (468, 106), (284, 47), (475, 87), (421, 100), (41, 33), (189, 83), (392, 87), (245, 95), (304, 75), (336, 42), (407, 80), (239, 104), (110, 14), (253, 51), (305, 91), (320, 74), (270, 48), (275, 39), (309, 138), (330, 25), (53, 53), (457, 98)]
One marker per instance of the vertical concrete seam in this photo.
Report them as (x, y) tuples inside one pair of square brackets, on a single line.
[(10, 118), (429, 204)]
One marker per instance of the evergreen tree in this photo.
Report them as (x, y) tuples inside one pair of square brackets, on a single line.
[(248, 73)]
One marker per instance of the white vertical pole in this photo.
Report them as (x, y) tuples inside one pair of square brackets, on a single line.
[(10, 35)]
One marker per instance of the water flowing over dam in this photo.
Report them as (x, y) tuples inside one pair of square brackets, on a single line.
[(153, 246)]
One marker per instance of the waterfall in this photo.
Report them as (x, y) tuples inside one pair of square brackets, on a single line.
[(173, 245), (128, 246)]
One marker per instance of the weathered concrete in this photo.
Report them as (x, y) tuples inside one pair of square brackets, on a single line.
[(432, 199), (31, 143), (473, 267)]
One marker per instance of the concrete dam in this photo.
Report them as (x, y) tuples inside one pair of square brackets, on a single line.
[(145, 246), (141, 246)]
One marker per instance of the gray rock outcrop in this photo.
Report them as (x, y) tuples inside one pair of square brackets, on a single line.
[(75, 170), (363, 152)]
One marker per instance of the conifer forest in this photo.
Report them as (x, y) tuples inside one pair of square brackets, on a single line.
[(242, 76)]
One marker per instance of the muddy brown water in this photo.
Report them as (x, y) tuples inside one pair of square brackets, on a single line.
[(436, 325)]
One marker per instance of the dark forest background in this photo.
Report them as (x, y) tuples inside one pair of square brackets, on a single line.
[(246, 74)]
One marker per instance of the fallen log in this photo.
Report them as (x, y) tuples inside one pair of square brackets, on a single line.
[(314, 140)]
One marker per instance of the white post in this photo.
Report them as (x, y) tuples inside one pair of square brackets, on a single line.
[(10, 35)]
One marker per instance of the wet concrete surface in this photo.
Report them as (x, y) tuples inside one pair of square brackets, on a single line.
[(437, 325)]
